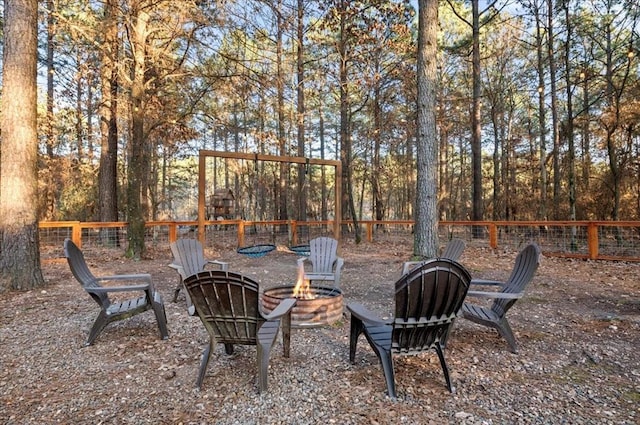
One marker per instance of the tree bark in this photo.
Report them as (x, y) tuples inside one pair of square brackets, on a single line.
[(426, 232), (19, 239), (476, 132), (107, 176), (137, 151)]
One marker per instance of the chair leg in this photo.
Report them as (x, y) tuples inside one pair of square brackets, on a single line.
[(387, 367), (263, 367), (443, 363), (267, 335), (286, 334), (504, 329), (204, 363), (177, 290), (356, 329), (161, 315), (190, 307), (100, 323), (228, 348)]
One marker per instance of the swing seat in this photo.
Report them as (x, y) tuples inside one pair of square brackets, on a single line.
[(302, 250), (256, 251)]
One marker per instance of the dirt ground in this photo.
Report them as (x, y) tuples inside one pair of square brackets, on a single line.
[(577, 329)]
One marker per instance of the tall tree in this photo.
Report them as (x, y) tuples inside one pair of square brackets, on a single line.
[(107, 175), (476, 123), (426, 233), (19, 241)]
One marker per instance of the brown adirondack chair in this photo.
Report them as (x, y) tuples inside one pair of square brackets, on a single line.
[(112, 311), (453, 251), (227, 304), (326, 266), (188, 259), (427, 301), (510, 291)]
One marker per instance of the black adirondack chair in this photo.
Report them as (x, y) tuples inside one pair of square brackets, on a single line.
[(427, 301), (188, 259), (113, 311), (227, 304), (510, 291), (453, 251)]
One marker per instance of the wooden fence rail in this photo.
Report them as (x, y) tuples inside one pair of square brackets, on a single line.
[(595, 240)]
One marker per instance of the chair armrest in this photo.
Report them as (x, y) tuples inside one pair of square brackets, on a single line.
[(487, 282), (339, 263), (178, 269), (223, 265), (283, 308), (408, 266), (360, 311), (501, 295), (127, 288), (141, 276)]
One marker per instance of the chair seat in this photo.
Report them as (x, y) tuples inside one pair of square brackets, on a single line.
[(320, 276), (476, 312), (128, 307)]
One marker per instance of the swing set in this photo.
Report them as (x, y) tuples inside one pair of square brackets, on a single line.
[(256, 251)]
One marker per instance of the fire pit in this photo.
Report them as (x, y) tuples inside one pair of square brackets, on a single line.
[(317, 306)]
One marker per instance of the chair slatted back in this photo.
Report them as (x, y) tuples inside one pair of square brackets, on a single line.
[(428, 299), (523, 271), (323, 252), (80, 270), (227, 303), (189, 254), (454, 249)]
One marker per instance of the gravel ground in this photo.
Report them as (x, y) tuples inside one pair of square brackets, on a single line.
[(577, 327)]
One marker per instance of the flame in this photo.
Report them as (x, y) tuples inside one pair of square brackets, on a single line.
[(302, 289)]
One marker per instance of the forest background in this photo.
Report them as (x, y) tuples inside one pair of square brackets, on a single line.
[(537, 108)]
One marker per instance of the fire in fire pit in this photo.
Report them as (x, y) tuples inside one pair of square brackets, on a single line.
[(317, 305)]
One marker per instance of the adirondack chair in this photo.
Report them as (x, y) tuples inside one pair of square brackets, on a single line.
[(227, 304), (512, 290), (453, 250), (427, 301), (188, 259), (112, 311), (326, 266)]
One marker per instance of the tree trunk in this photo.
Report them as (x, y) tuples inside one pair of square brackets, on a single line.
[(542, 212), (476, 132), (426, 232), (137, 151), (19, 239), (303, 170), (107, 176), (349, 212), (555, 133)]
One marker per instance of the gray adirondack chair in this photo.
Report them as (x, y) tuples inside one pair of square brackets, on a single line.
[(326, 266), (510, 291), (113, 311), (427, 301), (188, 259), (453, 251), (227, 304)]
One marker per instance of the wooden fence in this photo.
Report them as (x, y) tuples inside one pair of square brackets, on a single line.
[(595, 240)]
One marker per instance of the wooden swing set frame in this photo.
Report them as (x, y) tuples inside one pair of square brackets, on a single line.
[(204, 154)]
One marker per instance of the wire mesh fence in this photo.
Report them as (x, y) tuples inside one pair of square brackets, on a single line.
[(589, 240)]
